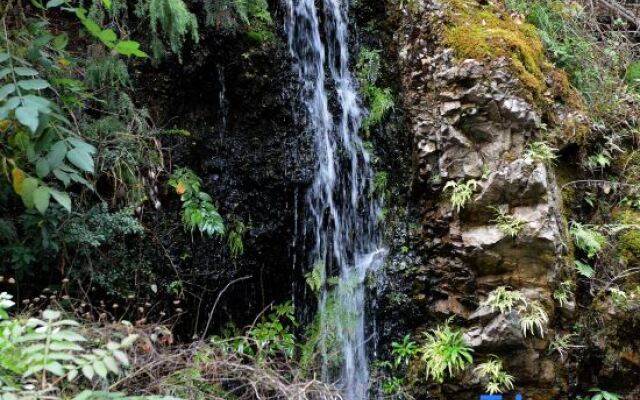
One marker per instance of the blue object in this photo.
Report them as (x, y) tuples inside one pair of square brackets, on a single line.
[(492, 397)]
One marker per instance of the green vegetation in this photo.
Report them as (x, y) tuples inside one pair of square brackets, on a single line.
[(587, 239), (50, 351), (492, 373), (541, 152), (170, 22), (504, 300), (198, 210), (380, 100), (509, 224), (461, 192), (532, 316), (482, 32), (595, 63), (444, 352)]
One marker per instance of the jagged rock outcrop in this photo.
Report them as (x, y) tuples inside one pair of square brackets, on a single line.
[(472, 120)]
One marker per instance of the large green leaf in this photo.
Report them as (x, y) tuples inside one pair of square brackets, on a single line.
[(28, 116), (9, 105), (62, 198), (4, 72), (81, 159), (54, 3), (4, 57), (29, 185), (56, 154), (33, 84), (6, 90), (41, 197), (108, 35), (130, 48), (42, 168), (25, 71)]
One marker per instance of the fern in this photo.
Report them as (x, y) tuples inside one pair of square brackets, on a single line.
[(509, 224), (461, 192), (497, 380), (445, 352), (170, 22), (504, 299), (532, 316), (588, 240)]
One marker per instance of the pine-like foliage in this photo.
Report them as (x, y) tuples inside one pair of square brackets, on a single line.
[(171, 22)]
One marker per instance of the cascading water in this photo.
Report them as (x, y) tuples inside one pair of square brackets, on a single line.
[(343, 213)]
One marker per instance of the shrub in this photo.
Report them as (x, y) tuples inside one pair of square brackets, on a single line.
[(445, 352)]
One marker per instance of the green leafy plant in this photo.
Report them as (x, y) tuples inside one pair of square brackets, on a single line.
[(50, 349), (404, 351), (461, 192), (542, 152), (198, 210), (495, 378), (562, 343), (504, 300), (509, 224), (587, 239), (620, 298), (316, 277), (380, 100), (41, 142), (532, 316), (584, 269), (109, 38), (599, 394), (563, 293), (444, 352), (235, 239), (170, 22)]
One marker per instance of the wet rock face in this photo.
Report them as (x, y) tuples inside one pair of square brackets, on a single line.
[(473, 120), (237, 100)]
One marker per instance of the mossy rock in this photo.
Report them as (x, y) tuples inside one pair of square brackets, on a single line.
[(488, 32), (628, 246)]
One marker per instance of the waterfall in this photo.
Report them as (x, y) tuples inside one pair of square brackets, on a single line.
[(342, 212)]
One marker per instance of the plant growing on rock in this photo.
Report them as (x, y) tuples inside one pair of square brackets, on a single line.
[(587, 239), (496, 379), (563, 292), (562, 343), (542, 152), (461, 192), (403, 351), (599, 394), (509, 224), (584, 269), (504, 300), (532, 316), (198, 210), (445, 352)]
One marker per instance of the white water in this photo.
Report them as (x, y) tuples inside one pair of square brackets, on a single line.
[(342, 212)]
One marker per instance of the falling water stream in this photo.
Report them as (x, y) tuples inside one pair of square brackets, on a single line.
[(342, 212)]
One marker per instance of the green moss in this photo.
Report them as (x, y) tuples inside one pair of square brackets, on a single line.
[(489, 32), (629, 246), (481, 32)]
